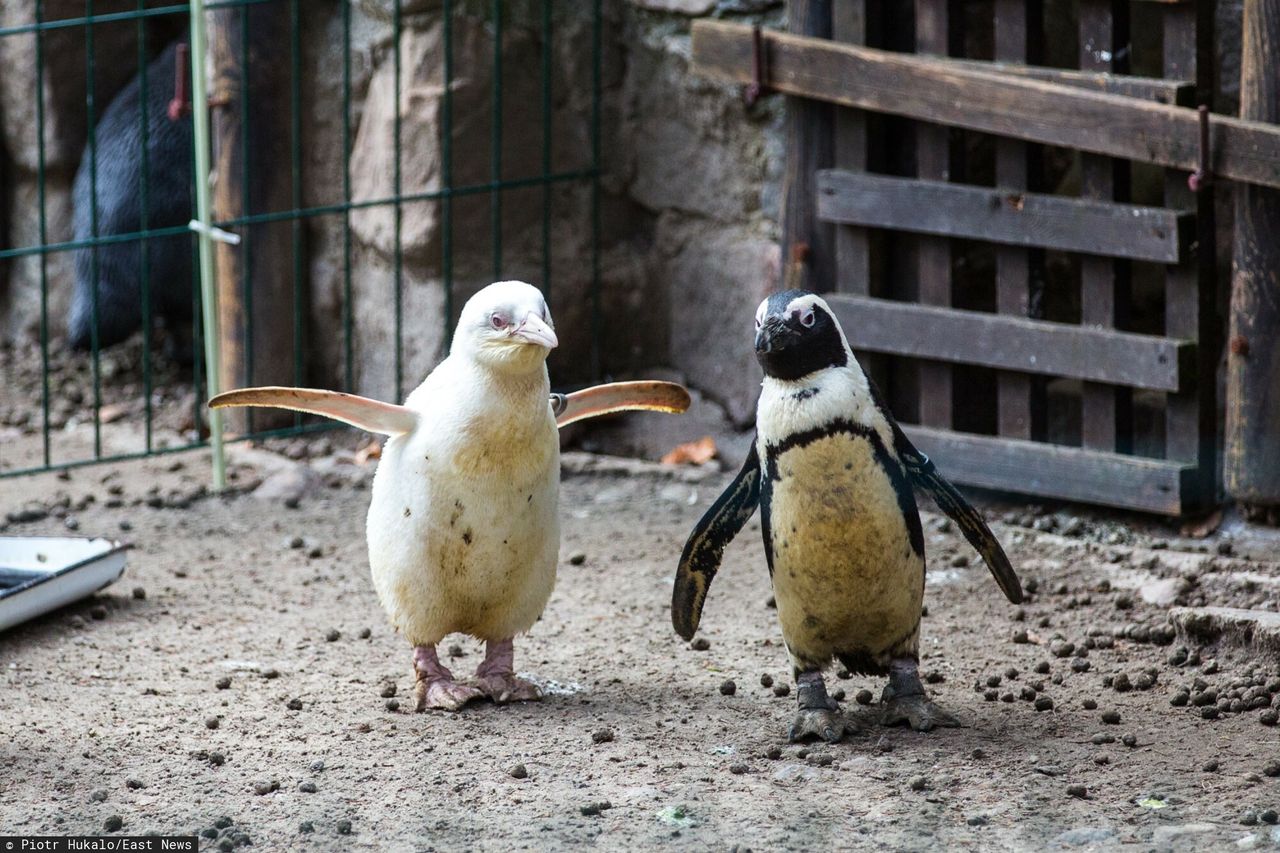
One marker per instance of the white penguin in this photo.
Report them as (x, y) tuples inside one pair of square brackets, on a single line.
[(463, 526)]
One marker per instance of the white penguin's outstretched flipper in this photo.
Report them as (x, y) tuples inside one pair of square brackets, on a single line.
[(361, 412), (644, 396)]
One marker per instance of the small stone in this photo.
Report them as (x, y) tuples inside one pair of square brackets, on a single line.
[(766, 680), (264, 788), (1111, 717), (317, 765), (1269, 816), (1272, 769), (1101, 738), (602, 736), (1129, 740), (1209, 667), (365, 633), (294, 704), (838, 694), (217, 759), (773, 753), (593, 809), (976, 820), (1249, 818), (297, 542), (222, 822), (306, 827), (388, 690), (728, 688), (99, 796), (307, 787), (1269, 717), (1210, 767), (1011, 673), (271, 674), (993, 681), (1080, 792), (344, 827), (98, 612), (737, 769), (781, 690), (863, 697), (1044, 703), (212, 722), (333, 635), (1089, 705), (1020, 636), (1179, 699), (1027, 693), (700, 644), (392, 705), (1210, 712), (577, 558), (518, 771), (113, 823), (1042, 667), (991, 695), (135, 784), (139, 593), (1079, 665), (978, 754), (919, 783), (1120, 683)]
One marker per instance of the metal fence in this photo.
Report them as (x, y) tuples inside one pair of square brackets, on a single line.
[(28, 459)]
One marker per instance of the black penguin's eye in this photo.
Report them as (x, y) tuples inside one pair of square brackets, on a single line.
[(497, 321), (807, 319), (758, 324)]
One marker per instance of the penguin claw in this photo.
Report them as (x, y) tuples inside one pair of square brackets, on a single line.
[(508, 688), (817, 722), (916, 711), (444, 695)]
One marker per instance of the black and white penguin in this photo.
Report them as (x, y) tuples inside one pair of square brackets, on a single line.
[(833, 473)]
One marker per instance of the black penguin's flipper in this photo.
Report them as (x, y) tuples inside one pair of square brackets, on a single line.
[(714, 531), (923, 473)]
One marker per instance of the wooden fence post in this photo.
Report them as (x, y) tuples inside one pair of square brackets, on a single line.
[(808, 246), (1252, 463), (255, 278)]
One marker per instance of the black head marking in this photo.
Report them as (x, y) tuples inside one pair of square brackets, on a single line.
[(796, 336)]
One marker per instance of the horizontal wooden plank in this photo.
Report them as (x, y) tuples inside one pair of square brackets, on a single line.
[(1015, 343), (1004, 216), (944, 92), (1053, 471), (1155, 89)]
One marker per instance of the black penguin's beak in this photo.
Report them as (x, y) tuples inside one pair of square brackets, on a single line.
[(775, 335)]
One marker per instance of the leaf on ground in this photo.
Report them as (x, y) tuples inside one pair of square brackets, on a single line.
[(698, 452)]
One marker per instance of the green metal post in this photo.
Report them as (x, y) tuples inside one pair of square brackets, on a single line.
[(208, 293)]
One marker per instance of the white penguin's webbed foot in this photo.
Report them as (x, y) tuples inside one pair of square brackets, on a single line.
[(496, 675), (904, 700), (819, 715), (436, 687)]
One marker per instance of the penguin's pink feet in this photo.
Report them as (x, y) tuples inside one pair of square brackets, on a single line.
[(436, 687), (496, 675)]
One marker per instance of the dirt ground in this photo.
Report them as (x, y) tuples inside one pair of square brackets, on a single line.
[(242, 670)]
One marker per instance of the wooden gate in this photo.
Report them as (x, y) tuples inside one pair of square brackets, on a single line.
[(984, 224)]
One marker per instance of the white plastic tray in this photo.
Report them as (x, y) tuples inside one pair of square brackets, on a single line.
[(43, 573)]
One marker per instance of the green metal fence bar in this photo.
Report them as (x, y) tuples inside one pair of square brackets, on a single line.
[(349, 382), (546, 149), (308, 212), (144, 196), (446, 171), (495, 143), (397, 189), (44, 238), (91, 109)]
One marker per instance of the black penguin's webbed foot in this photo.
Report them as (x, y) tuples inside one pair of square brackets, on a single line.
[(904, 700), (819, 715)]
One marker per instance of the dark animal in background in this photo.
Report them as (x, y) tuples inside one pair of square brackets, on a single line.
[(119, 140)]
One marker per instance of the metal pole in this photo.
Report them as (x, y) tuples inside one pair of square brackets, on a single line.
[(204, 234)]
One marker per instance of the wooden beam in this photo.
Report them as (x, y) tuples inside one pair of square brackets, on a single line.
[(1252, 469), (1032, 110), (1155, 89), (1014, 343), (1069, 473), (255, 278), (808, 255), (1003, 216)]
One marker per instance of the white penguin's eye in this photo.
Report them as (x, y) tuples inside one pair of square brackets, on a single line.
[(498, 321), (807, 318)]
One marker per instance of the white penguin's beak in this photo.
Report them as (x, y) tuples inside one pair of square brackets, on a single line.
[(534, 330)]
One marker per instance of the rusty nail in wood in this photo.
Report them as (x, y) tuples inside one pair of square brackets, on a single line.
[(757, 87), (1202, 176)]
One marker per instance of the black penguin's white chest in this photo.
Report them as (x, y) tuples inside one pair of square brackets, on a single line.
[(843, 535)]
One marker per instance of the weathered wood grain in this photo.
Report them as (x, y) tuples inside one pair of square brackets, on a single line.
[(1005, 216), (1015, 343)]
